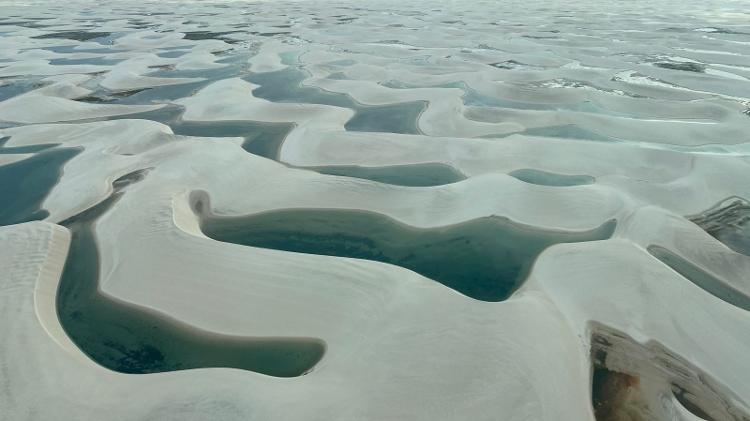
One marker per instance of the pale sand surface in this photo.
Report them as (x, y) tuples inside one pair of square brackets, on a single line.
[(557, 117)]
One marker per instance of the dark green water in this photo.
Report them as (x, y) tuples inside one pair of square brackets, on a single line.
[(544, 178), (486, 259), (146, 96), (74, 35), (10, 150), (265, 139), (17, 87), (701, 278), (393, 118), (413, 175), (131, 339), (166, 115), (286, 86), (568, 131), (167, 93), (262, 139), (94, 61), (201, 35), (25, 184)]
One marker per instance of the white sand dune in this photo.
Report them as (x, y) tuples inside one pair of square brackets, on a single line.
[(650, 108)]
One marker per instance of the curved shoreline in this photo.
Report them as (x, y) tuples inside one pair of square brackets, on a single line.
[(486, 259), (131, 339)]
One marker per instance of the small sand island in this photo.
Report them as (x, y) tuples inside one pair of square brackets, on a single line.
[(374, 210)]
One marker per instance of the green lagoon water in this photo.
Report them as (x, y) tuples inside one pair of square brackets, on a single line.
[(701, 278), (544, 178), (132, 339), (286, 86), (26, 183), (486, 259), (413, 175)]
